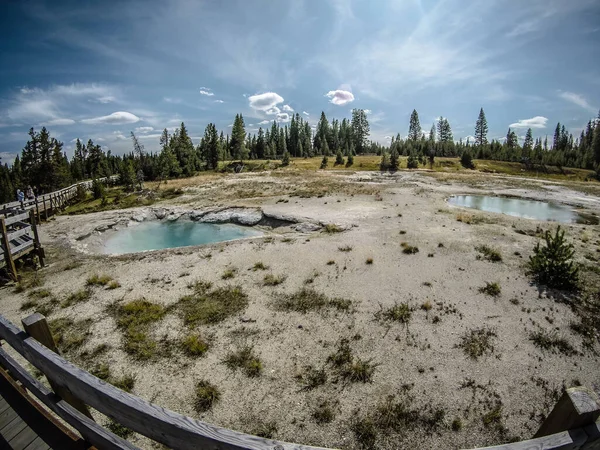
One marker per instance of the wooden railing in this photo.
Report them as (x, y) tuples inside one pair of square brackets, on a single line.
[(571, 425), (19, 220)]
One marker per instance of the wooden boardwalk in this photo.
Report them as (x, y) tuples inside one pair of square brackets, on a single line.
[(24, 424)]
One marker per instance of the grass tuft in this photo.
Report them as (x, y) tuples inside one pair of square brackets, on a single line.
[(311, 378), (273, 280), (245, 360), (491, 289), (207, 395), (369, 261), (408, 249), (228, 274), (98, 280), (400, 312), (331, 228), (80, 296), (489, 253), (324, 412), (478, 342), (551, 341), (194, 345), (306, 300), (69, 334), (259, 266), (346, 248)]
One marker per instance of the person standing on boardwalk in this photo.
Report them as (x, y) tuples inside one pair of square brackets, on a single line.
[(30, 195), (20, 195)]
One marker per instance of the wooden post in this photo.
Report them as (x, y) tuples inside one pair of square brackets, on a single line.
[(577, 408), (45, 209), (37, 210), (36, 326), (36, 238), (10, 263)]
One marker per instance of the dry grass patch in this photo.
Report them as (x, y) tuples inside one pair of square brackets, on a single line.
[(244, 359), (194, 345), (489, 253), (346, 248), (349, 367), (306, 300), (478, 342), (311, 378), (207, 395), (324, 412), (98, 280), (491, 289), (273, 280), (206, 306), (400, 312), (69, 334), (83, 295), (408, 249), (332, 228), (259, 266), (552, 341), (229, 274)]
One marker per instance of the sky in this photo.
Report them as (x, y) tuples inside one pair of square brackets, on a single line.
[(101, 69)]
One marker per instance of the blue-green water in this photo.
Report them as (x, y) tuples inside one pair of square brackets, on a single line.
[(528, 209), (159, 235)]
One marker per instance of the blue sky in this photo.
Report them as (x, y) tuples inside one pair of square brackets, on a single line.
[(100, 69)]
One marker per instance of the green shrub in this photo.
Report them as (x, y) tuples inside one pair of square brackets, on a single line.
[(412, 162), (491, 289), (466, 160), (339, 159), (81, 193), (489, 253), (350, 162), (246, 360), (553, 265), (285, 161), (324, 162), (207, 395), (98, 189)]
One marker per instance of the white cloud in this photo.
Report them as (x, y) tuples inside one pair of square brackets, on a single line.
[(283, 117), (340, 97), (288, 108), (265, 102), (368, 111), (116, 118), (107, 99), (264, 122), (171, 100), (150, 136), (144, 129), (577, 99), (208, 93), (273, 111), (55, 122), (219, 101), (305, 113), (534, 122)]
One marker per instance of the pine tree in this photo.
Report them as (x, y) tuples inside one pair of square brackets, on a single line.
[(394, 159), (339, 159), (285, 161), (211, 141), (528, 144), (414, 128), (238, 136), (360, 130), (596, 140), (481, 129), (412, 162), (432, 133)]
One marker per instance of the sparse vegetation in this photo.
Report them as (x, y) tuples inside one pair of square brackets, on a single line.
[(69, 334), (400, 312), (331, 228), (207, 306), (98, 280), (348, 366), (273, 280), (125, 383), (324, 412), (194, 345), (259, 266), (489, 253), (118, 429), (207, 395), (346, 248), (369, 261), (244, 359), (311, 378), (306, 300), (478, 342), (551, 341), (228, 274), (80, 296), (113, 285), (409, 249), (491, 289), (553, 265)]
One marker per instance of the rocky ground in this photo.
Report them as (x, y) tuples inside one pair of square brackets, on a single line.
[(425, 354)]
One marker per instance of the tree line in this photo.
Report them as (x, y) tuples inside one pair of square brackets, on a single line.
[(43, 164)]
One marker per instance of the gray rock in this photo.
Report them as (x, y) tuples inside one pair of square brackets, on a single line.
[(247, 217), (139, 216), (307, 227), (197, 215), (173, 217), (160, 213), (237, 215)]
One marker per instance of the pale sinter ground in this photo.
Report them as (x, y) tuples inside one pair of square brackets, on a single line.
[(502, 395)]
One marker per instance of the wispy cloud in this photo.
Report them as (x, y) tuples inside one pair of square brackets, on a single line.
[(219, 101), (58, 122), (207, 93), (305, 113), (116, 118), (577, 99), (534, 122), (288, 108)]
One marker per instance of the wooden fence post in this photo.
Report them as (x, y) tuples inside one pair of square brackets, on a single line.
[(36, 326), (36, 238), (37, 209), (45, 209), (577, 408), (10, 263)]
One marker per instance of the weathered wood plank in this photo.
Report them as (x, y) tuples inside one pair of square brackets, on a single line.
[(16, 427), (578, 407), (24, 438), (18, 218), (19, 250), (37, 444), (167, 427), (18, 233), (90, 430)]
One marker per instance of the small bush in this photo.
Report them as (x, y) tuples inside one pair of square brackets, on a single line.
[(273, 280), (137, 313), (98, 189), (81, 193), (369, 261), (350, 161), (207, 395), (491, 254), (478, 342), (409, 249), (346, 248), (491, 289), (365, 431), (324, 162), (113, 285), (331, 262), (264, 429), (228, 274), (324, 412), (331, 228), (457, 424), (553, 265), (339, 159), (350, 368), (285, 161), (259, 266), (400, 312), (96, 280), (101, 370), (466, 160), (244, 359), (194, 345), (426, 306), (125, 383)]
